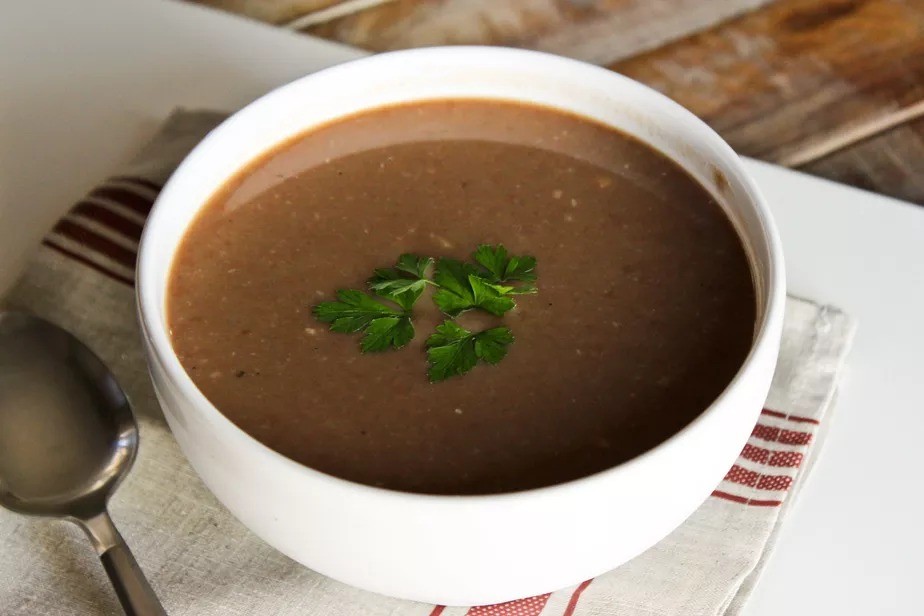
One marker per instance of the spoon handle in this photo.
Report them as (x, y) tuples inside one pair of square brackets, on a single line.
[(134, 592)]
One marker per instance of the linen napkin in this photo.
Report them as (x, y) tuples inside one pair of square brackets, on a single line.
[(202, 561)]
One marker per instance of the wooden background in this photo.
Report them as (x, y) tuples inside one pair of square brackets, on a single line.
[(832, 87)]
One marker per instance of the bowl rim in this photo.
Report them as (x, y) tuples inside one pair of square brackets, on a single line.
[(161, 351)]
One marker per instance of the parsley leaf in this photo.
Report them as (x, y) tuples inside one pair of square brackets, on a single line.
[(355, 311), (499, 267), (403, 283), (453, 350), (386, 333), (489, 283), (490, 297), (461, 288)]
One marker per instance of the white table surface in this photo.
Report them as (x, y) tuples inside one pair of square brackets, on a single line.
[(82, 84)]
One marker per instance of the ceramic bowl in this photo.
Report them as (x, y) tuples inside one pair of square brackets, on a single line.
[(461, 550)]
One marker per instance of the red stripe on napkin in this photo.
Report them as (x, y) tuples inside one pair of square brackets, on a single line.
[(754, 479), (745, 477), (437, 610), (791, 437), (124, 196), (109, 219), (784, 459), (95, 242), (572, 603), (755, 454), (94, 249), (774, 482), (746, 501), (92, 265), (133, 179), (787, 459), (531, 606), (765, 433), (795, 418), (781, 435)]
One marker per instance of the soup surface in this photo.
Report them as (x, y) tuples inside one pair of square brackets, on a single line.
[(645, 309)]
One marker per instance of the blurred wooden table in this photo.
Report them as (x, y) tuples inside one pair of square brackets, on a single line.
[(832, 87)]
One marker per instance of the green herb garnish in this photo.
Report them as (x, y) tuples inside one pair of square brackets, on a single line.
[(490, 283), (499, 267), (462, 288), (453, 350), (403, 283), (384, 326)]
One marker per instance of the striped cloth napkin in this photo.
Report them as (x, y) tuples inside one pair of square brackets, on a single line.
[(203, 562)]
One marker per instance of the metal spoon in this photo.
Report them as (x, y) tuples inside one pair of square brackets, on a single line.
[(67, 438)]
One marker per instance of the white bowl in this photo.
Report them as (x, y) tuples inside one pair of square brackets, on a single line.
[(461, 550)]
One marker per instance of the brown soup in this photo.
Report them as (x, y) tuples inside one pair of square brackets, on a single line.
[(645, 309)]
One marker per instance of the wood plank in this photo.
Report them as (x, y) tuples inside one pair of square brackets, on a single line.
[(600, 31), (271, 11), (890, 163), (791, 82), (780, 80)]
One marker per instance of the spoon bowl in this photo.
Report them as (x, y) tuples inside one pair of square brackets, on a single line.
[(67, 439)]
